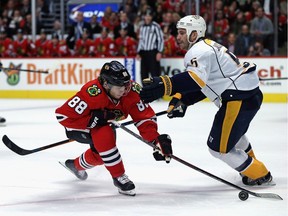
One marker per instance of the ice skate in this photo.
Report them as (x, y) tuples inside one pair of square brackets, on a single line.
[(80, 174), (263, 181), (125, 185)]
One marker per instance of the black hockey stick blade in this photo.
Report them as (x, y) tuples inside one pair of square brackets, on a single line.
[(265, 195), (18, 150)]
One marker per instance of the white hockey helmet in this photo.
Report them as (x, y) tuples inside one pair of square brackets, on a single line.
[(193, 23)]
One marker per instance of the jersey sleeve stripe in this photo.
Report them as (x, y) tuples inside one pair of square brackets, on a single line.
[(197, 79)]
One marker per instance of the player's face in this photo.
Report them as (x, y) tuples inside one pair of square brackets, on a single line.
[(182, 39), (119, 91)]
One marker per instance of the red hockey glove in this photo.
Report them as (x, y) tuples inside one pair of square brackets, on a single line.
[(100, 117), (176, 107), (154, 88), (163, 149)]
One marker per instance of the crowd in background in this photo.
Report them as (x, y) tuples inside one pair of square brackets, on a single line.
[(245, 27)]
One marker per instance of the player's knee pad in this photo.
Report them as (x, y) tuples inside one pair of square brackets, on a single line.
[(234, 158)]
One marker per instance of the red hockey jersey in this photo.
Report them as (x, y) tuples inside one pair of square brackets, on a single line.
[(75, 113)]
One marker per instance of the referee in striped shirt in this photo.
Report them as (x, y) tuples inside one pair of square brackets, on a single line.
[(150, 46)]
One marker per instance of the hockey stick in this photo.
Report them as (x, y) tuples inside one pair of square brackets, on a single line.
[(261, 195), (18, 150), (268, 79), (24, 70)]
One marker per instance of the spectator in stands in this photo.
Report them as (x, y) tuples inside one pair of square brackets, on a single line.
[(221, 27), (6, 45), (10, 7), (42, 45), (27, 28), (125, 45), (42, 7), (58, 47), (262, 29), (95, 26), (243, 41), (229, 43), (3, 26), (130, 9), (168, 21), (22, 45), (57, 29), (124, 24), (282, 24), (159, 13), (25, 8), (179, 9), (16, 22), (76, 30), (104, 46), (170, 44), (237, 24), (84, 45), (106, 17), (258, 50)]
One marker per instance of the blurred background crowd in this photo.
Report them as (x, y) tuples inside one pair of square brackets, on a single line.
[(245, 27)]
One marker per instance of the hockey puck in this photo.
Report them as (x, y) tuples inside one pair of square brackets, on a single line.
[(243, 195)]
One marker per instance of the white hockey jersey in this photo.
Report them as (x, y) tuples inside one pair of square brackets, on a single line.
[(215, 70)]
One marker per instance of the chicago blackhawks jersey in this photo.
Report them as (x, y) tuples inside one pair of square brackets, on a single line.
[(75, 113)]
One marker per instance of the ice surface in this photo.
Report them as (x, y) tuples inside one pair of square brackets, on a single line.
[(37, 184)]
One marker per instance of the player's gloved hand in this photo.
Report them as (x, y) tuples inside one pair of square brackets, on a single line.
[(100, 117), (154, 88), (1, 66), (176, 107), (163, 149)]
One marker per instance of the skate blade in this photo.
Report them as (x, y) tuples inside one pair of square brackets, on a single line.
[(127, 193), (63, 164)]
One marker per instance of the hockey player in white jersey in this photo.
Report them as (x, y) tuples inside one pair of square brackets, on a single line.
[(215, 73)]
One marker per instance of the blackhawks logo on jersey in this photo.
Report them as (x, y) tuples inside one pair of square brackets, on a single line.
[(136, 87), (93, 90)]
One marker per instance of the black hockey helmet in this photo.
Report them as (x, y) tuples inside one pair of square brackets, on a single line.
[(114, 73)]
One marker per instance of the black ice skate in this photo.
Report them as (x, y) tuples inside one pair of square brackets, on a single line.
[(80, 174), (125, 185), (265, 180)]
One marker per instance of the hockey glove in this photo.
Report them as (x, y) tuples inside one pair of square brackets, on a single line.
[(176, 107), (100, 117), (154, 88), (163, 148)]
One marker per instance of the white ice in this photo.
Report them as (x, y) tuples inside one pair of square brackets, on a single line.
[(37, 184)]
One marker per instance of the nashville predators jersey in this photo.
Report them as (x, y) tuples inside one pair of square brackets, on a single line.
[(216, 70)]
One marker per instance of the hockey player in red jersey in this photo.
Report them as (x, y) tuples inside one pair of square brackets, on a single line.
[(214, 72), (86, 116)]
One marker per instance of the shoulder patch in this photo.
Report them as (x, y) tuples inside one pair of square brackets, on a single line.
[(93, 90), (136, 87)]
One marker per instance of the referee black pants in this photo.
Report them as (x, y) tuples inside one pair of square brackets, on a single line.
[(149, 64)]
